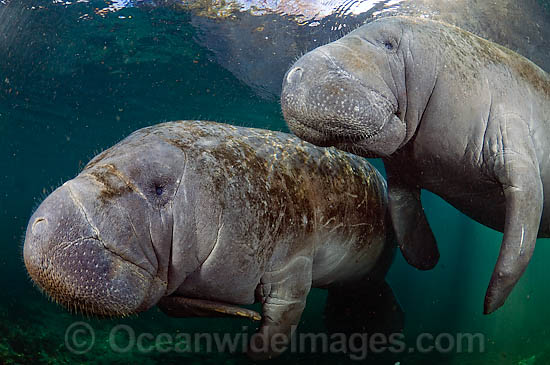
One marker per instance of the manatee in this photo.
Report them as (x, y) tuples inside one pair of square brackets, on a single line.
[(448, 112), (202, 218)]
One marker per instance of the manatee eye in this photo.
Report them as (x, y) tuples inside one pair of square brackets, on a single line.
[(388, 45), (159, 190)]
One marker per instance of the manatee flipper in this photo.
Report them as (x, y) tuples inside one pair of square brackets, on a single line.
[(176, 306), (414, 235), (372, 308), (519, 175), (283, 294)]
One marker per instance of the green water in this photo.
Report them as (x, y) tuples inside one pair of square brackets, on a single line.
[(70, 88)]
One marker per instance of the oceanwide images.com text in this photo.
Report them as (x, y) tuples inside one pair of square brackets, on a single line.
[(80, 338)]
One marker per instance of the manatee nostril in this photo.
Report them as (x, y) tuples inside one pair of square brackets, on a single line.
[(294, 75), (38, 223)]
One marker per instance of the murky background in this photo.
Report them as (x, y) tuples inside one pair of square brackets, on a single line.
[(76, 77)]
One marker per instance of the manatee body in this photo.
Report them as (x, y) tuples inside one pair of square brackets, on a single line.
[(448, 112), (201, 217), (279, 31)]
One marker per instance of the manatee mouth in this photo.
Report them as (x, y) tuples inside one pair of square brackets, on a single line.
[(317, 133), (349, 122), (83, 276)]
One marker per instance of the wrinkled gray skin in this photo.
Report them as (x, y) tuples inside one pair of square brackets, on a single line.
[(448, 112), (214, 212)]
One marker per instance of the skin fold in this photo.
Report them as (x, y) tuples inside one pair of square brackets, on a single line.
[(201, 218), (448, 112)]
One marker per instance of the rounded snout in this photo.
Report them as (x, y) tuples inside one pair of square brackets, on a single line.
[(65, 256), (328, 101)]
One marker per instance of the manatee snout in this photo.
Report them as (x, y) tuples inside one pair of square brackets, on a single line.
[(325, 102), (65, 256)]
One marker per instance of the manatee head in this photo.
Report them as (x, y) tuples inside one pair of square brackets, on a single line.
[(101, 243), (354, 93)]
